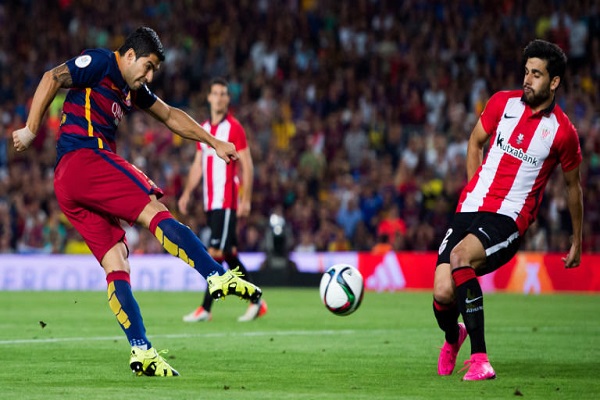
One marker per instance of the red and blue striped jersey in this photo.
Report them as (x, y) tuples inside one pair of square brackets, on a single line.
[(97, 102)]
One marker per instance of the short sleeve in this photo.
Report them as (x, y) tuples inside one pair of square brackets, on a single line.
[(492, 113), (88, 68), (238, 135), (569, 148)]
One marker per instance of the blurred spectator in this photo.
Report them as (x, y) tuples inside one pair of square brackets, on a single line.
[(382, 245), (339, 242), (349, 216), (33, 220), (434, 99), (356, 142), (6, 230), (393, 228), (54, 231), (306, 244)]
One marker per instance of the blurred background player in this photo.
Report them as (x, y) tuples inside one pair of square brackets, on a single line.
[(528, 136), (220, 193), (96, 188)]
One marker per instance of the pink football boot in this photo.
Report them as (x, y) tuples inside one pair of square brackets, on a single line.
[(448, 353), (479, 368)]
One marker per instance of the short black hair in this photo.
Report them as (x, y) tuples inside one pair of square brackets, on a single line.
[(144, 41), (218, 81), (556, 60)]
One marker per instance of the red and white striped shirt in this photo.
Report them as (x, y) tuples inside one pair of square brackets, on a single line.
[(524, 150), (220, 181)]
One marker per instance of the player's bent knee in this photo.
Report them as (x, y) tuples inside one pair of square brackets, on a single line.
[(149, 212), (443, 292), (459, 257)]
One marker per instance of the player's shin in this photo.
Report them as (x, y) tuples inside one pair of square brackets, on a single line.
[(126, 309), (180, 241), (447, 319), (469, 298)]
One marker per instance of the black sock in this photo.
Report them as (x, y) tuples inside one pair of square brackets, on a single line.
[(208, 301), (469, 298), (447, 319)]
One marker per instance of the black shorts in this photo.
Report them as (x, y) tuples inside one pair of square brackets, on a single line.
[(498, 234), (223, 225)]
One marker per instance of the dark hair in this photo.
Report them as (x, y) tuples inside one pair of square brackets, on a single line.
[(556, 60), (218, 81), (144, 41)]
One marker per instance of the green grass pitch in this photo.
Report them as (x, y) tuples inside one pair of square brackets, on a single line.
[(542, 347)]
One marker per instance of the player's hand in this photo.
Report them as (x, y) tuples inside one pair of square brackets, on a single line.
[(226, 151), (243, 209), (573, 259), (22, 138), (182, 204)]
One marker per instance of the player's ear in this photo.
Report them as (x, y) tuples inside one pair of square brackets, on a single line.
[(130, 55), (555, 83)]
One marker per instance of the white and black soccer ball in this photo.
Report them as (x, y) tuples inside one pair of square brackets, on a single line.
[(341, 289)]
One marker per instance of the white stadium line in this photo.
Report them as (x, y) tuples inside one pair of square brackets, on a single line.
[(511, 329), (11, 342)]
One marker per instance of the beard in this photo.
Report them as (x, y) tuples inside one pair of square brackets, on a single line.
[(534, 99)]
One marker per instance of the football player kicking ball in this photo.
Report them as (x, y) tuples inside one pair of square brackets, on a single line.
[(528, 135), (96, 188)]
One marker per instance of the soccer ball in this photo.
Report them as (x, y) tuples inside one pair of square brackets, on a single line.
[(341, 289)]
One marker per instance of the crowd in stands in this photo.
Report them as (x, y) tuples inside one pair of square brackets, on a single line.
[(357, 112)]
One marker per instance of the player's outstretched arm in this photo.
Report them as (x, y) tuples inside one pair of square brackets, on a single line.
[(575, 204), (179, 122), (51, 83)]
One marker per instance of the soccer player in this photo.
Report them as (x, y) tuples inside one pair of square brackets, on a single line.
[(528, 136), (220, 192), (96, 188)]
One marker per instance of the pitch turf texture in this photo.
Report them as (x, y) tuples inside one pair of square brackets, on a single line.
[(67, 345)]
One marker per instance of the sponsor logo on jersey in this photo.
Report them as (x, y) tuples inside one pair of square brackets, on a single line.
[(117, 113), (517, 153), (520, 138)]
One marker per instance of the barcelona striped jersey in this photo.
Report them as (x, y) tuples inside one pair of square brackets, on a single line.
[(96, 102)]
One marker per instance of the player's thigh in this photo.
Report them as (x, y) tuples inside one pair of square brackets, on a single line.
[(483, 240), (468, 252), (457, 230), (99, 231), (500, 238)]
